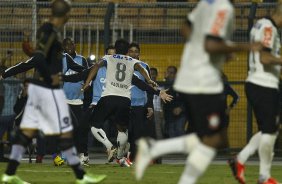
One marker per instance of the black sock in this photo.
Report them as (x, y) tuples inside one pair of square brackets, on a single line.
[(78, 171), (12, 167)]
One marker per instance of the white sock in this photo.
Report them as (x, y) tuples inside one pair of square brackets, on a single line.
[(122, 138), (184, 144), (250, 148), (101, 136), (266, 154), (197, 163), (17, 152)]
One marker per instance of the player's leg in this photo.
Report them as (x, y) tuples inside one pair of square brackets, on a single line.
[(22, 136), (269, 124), (103, 110), (61, 124), (210, 123), (148, 149)]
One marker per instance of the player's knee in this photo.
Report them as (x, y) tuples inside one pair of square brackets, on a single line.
[(65, 143), (18, 137)]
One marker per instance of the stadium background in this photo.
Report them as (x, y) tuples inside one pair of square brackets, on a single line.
[(155, 25)]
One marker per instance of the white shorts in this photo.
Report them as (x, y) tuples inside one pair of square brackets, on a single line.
[(46, 110)]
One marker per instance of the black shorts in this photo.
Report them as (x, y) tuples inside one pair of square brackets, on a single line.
[(206, 113), (266, 105), (111, 106)]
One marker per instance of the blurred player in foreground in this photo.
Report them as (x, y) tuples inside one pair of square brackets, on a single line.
[(208, 27)]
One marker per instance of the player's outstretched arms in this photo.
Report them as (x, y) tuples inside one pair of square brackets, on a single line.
[(145, 74), (216, 45), (165, 97)]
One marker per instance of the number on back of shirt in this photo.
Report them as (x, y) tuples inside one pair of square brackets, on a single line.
[(120, 73)]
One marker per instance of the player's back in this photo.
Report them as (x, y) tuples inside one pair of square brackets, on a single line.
[(120, 69), (199, 71), (264, 31)]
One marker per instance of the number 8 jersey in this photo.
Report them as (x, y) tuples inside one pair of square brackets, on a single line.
[(120, 69)]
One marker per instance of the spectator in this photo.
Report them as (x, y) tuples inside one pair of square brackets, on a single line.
[(173, 111)]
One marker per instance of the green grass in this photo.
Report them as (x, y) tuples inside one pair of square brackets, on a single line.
[(156, 174)]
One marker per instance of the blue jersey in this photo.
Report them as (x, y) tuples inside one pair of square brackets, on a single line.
[(71, 89), (139, 97), (99, 85)]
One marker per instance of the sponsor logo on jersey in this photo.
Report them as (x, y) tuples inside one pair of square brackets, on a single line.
[(219, 22)]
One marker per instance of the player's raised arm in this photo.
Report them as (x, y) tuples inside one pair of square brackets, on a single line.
[(144, 73), (92, 73), (19, 68)]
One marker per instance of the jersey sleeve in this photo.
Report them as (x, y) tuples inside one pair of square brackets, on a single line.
[(267, 36), (220, 22)]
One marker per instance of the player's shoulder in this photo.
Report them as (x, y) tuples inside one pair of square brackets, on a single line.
[(224, 5), (265, 24)]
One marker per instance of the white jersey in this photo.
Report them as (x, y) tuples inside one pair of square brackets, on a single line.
[(199, 73), (264, 31), (120, 69)]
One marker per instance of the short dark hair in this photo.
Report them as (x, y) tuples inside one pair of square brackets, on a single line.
[(60, 7), (121, 46), (108, 48), (134, 44), (154, 69), (66, 40), (173, 67)]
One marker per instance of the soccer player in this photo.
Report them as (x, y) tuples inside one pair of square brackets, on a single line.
[(115, 99), (208, 27), (262, 90), (46, 107), (75, 99)]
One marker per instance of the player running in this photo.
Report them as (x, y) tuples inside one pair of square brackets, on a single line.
[(209, 28), (262, 90)]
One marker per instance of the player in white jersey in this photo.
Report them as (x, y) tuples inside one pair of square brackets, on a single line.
[(208, 27), (263, 95), (116, 97)]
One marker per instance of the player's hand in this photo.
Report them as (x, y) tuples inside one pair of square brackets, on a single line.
[(150, 112), (153, 83), (56, 79), (1, 78), (165, 97)]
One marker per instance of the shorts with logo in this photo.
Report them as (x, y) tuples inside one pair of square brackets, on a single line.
[(205, 112), (116, 107), (266, 106), (46, 110)]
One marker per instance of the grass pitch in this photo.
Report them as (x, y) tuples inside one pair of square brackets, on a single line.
[(156, 174)]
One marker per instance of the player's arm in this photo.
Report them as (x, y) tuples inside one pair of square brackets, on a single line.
[(149, 89), (144, 86), (19, 68), (92, 73), (76, 77), (230, 91), (217, 31), (186, 29), (73, 65), (144, 73)]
